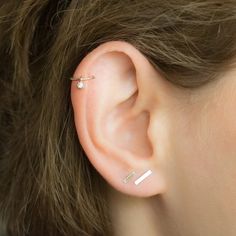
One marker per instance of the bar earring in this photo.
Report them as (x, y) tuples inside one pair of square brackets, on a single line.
[(128, 177), (143, 177)]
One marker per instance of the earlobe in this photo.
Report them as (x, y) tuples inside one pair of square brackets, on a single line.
[(112, 118)]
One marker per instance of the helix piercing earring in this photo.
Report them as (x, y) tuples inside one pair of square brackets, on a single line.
[(81, 79), (143, 177), (128, 177)]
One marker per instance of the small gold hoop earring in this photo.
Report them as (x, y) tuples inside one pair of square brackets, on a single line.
[(81, 79)]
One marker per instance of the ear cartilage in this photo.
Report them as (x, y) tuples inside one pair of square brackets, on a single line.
[(128, 177), (143, 177), (80, 84)]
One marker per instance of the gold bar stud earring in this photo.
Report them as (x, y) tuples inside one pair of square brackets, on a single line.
[(128, 177)]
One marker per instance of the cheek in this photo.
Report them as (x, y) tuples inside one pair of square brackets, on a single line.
[(206, 135), (221, 123), (204, 150), (202, 163)]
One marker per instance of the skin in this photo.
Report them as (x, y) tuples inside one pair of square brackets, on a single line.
[(186, 137)]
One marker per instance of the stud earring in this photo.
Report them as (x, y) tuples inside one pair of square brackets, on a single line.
[(81, 79), (143, 177), (139, 180), (128, 177)]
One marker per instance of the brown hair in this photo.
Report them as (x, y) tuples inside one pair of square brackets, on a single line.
[(47, 185)]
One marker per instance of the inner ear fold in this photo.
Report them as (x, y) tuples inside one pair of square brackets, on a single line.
[(115, 118), (128, 130)]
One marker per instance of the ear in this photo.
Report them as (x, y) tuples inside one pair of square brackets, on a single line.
[(114, 117)]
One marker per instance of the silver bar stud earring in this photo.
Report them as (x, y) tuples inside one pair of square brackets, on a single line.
[(143, 177), (81, 79)]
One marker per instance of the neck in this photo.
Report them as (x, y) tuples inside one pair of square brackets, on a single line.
[(133, 216)]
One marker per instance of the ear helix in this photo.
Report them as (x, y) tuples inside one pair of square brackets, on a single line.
[(139, 180)]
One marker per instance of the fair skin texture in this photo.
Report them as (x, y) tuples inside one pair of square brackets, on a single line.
[(131, 118)]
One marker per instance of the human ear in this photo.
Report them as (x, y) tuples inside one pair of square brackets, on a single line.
[(113, 116)]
